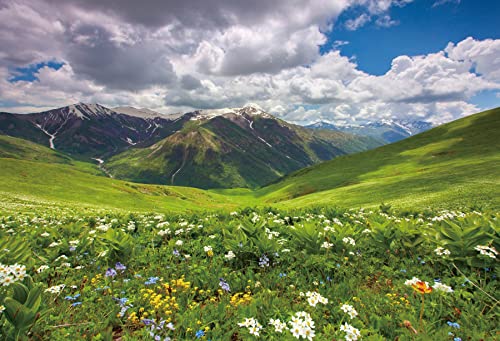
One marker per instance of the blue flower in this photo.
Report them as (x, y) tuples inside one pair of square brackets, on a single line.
[(147, 322), (282, 275), (120, 267), (453, 325), (76, 304), (152, 280), (457, 339), (224, 285), (176, 253), (110, 272), (72, 298), (199, 333)]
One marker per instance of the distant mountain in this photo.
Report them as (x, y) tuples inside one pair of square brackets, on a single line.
[(238, 147), (388, 131), (88, 130)]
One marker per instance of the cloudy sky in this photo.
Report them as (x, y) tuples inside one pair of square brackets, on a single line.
[(304, 60)]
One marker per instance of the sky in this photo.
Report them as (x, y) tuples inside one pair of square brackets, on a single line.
[(340, 61)]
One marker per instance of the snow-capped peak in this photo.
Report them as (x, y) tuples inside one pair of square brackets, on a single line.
[(142, 113), (209, 114), (84, 110)]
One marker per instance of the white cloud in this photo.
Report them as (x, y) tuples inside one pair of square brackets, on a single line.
[(238, 53), (360, 21)]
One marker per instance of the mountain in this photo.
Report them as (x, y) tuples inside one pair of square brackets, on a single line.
[(88, 130), (457, 162), (454, 165), (388, 131), (238, 147)]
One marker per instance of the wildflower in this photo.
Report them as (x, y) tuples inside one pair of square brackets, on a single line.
[(176, 253), (349, 240), (313, 298), (224, 285), (351, 332), (179, 242), (440, 251), (442, 287), (75, 304), (487, 251), (2, 308), (208, 250), (252, 324), (346, 308), (453, 325), (263, 261), (42, 268), (326, 245), (120, 267), (56, 289), (152, 280), (110, 273), (302, 325), (200, 333), (422, 287), (278, 325), (230, 255)]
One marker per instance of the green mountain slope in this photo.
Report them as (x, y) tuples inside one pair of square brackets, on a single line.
[(32, 174), (456, 162), (452, 165), (237, 149)]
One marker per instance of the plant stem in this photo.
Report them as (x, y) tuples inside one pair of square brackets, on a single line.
[(422, 313)]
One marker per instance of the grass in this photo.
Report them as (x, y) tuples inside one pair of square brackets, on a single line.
[(456, 164)]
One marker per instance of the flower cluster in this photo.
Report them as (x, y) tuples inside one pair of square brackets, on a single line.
[(11, 273), (302, 325), (254, 327), (349, 240), (278, 325), (313, 298), (489, 251), (349, 309), (441, 251), (56, 289), (352, 333)]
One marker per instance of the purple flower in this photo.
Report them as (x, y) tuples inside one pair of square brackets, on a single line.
[(120, 267), (224, 285), (110, 272), (176, 253), (147, 322)]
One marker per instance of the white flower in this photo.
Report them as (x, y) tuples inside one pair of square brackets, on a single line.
[(278, 325), (326, 245), (412, 281), (487, 251), (179, 242), (207, 248), (230, 255), (56, 289), (442, 287), (346, 308), (313, 298), (42, 268), (252, 324), (348, 240), (351, 332), (441, 251)]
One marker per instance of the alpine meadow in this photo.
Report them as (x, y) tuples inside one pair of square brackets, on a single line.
[(231, 170)]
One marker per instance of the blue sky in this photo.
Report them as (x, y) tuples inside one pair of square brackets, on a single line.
[(381, 58)]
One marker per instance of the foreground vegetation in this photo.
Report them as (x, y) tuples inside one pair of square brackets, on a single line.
[(317, 274)]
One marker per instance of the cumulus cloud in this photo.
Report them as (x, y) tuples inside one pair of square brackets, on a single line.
[(176, 56)]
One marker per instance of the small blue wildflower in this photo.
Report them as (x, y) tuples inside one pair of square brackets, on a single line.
[(72, 249), (72, 298), (199, 333), (457, 339), (224, 285), (152, 280), (176, 253), (76, 304), (453, 324), (282, 275), (263, 261), (147, 322), (120, 267), (110, 272)]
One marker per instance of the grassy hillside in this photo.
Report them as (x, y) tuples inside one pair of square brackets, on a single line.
[(229, 152), (454, 163)]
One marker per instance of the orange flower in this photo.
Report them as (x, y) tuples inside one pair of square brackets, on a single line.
[(422, 287)]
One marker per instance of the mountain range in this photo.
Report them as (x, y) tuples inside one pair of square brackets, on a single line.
[(387, 131), (224, 148)]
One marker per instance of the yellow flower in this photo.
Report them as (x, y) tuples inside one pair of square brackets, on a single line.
[(422, 287)]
